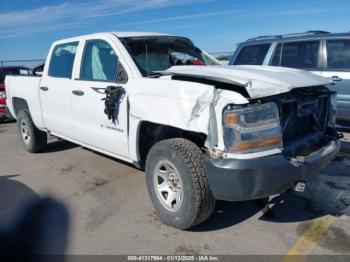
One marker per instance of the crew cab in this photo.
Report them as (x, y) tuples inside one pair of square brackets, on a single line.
[(201, 131), (8, 70)]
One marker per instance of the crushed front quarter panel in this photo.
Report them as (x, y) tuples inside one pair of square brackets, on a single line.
[(185, 105)]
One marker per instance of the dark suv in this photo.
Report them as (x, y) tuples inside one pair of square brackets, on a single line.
[(324, 53)]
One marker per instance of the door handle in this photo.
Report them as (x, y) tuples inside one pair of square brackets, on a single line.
[(99, 90), (336, 78), (78, 92), (44, 88)]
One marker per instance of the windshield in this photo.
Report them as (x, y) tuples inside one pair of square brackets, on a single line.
[(158, 53), (4, 72)]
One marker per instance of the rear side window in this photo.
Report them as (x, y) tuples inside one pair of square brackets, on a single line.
[(338, 54), (62, 59), (252, 55), (99, 61), (297, 54)]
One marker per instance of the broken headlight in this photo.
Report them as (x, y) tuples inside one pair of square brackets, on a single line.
[(251, 129)]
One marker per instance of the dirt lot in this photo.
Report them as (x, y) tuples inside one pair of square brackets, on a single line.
[(110, 212)]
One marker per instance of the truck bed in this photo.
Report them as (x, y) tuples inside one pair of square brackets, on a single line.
[(27, 88)]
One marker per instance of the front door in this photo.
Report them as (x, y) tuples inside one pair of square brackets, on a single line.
[(99, 70)]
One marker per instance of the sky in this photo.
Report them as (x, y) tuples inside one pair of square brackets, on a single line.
[(28, 27)]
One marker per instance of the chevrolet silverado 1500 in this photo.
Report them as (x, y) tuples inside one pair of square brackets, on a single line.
[(201, 131)]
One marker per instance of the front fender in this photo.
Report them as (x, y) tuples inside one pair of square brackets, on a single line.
[(186, 105)]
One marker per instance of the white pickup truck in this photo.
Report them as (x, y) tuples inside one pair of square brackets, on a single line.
[(202, 131)]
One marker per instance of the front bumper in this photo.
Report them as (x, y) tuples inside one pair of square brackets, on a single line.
[(238, 180)]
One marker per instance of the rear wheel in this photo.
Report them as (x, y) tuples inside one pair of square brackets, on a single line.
[(178, 184), (32, 138)]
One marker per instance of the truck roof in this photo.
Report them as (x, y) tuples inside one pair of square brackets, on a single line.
[(117, 34)]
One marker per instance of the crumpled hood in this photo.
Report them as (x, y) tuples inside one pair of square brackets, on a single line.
[(259, 81)]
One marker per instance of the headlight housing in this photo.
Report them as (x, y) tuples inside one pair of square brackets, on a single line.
[(251, 129)]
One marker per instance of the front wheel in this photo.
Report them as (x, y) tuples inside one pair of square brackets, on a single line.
[(32, 138), (178, 184)]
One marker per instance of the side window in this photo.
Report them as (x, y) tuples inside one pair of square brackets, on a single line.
[(62, 59), (276, 56), (338, 54), (252, 55), (300, 54), (99, 61)]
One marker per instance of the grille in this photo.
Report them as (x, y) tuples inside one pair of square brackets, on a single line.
[(303, 116)]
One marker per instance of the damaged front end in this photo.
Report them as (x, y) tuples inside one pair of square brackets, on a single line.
[(272, 143), (296, 123), (267, 130), (307, 118)]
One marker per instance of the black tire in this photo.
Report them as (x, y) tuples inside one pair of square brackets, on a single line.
[(38, 139), (198, 202)]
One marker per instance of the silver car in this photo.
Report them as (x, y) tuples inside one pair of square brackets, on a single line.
[(324, 53)]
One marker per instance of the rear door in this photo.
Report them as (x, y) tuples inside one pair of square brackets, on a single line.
[(99, 65), (56, 89), (337, 68)]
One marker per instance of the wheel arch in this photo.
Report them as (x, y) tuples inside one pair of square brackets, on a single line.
[(19, 104), (149, 133)]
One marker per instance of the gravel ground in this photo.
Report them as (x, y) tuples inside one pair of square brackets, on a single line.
[(110, 212)]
